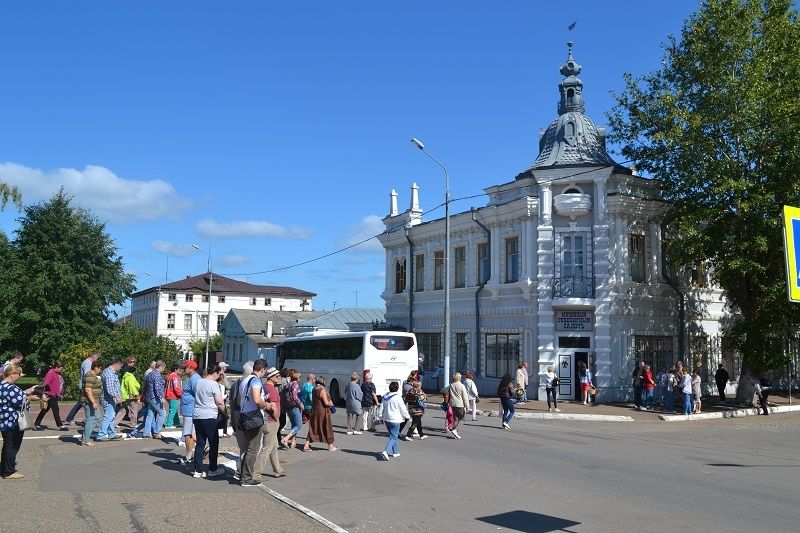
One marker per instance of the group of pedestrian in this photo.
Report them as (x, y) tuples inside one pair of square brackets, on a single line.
[(665, 388)]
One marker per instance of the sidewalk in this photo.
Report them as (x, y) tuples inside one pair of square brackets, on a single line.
[(616, 412)]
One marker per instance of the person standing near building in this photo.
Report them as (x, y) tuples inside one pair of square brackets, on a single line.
[(353, 396), (112, 395), (458, 401), (697, 392), (522, 382), (721, 378), (505, 392), (394, 413), (91, 392), (187, 407), (86, 365), (649, 383), (585, 378), (472, 394), (172, 394), (154, 390), (12, 401), (686, 388), (207, 406), (550, 387), (252, 398), (638, 384), (53, 389)]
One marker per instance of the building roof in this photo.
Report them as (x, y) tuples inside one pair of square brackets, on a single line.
[(342, 318), (254, 322), (223, 285)]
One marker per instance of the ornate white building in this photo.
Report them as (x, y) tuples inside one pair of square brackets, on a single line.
[(563, 265)]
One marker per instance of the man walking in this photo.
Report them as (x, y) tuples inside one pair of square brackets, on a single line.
[(251, 398), (271, 427), (86, 365), (154, 387), (638, 384), (112, 395), (187, 408), (721, 378)]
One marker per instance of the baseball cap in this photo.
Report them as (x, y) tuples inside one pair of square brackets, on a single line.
[(271, 371), (189, 364), (223, 363)]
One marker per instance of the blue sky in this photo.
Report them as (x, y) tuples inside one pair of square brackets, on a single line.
[(273, 132)]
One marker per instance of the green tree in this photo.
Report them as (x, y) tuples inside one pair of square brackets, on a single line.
[(9, 192), (122, 341), (198, 347), (717, 126), (60, 277)]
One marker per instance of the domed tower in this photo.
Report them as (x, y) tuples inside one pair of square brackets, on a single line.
[(572, 139)]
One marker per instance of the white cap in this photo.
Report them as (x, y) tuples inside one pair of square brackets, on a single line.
[(223, 363)]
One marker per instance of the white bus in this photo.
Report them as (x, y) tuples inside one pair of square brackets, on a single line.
[(389, 355)]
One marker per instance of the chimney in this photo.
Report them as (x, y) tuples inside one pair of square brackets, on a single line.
[(269, 329)]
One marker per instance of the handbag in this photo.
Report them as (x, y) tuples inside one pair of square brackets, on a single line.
[(554, 383), (592, 390), (251, 420), (23, 422)]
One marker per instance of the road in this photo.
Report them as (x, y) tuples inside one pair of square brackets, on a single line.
[(722, 475)]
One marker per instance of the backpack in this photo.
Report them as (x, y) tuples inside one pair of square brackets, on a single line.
[(286, 396)]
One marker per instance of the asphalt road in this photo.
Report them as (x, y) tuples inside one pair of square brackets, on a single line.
[(720, 475)]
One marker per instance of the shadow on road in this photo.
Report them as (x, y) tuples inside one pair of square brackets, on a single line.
[(528, 522)]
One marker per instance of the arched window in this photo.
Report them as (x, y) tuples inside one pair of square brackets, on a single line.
[(570, 130), (572, 190), (400, 276), (570, 94)]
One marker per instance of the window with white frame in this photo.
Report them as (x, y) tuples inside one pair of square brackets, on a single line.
[(221, 299), (502, 354), (636, 257), (484, 263), (170, 320), (190, 297), (419, 272), (220, 320), (205, 298), (204, 322), (512, 260), (187, 322), (573, 256), (438, 270), (430, 348), (172, 297)]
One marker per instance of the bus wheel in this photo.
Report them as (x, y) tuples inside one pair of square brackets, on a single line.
[(336, 398)]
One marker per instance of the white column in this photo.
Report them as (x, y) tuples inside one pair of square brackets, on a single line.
[(393, 203), (655, 253)]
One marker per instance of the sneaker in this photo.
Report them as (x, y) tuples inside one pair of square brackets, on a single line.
[(550, 409), (423, 437), (385, 455), (409, 439), (199, 474), (357, 433), (395, 455), (218, 472), (132, 436), (558, 410), (455, 434), (506, 426), (349, 432), (39, 428), (251, 483), (15, 475)]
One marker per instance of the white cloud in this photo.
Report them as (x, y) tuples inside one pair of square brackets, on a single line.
[(175, 250), (98, 189), (248, 229), (234, 261), (369, 226)]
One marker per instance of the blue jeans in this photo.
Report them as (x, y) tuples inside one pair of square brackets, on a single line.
[(155, 418), (90, 420), (394, 431), (296, 417), (508, 409), (648, 398), (106, 430), (670, 400), (687, 403)]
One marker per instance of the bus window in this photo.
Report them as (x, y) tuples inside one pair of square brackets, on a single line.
[(392, 342)]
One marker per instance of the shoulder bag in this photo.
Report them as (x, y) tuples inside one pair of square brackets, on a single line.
[(23, 422), (252, 419)]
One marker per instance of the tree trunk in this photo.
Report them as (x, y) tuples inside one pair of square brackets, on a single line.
[(745, 390)]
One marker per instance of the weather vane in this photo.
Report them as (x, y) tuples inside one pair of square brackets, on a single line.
[(570, 28)]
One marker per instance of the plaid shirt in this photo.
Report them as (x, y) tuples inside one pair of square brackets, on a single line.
[(111, 389), (154, 385)]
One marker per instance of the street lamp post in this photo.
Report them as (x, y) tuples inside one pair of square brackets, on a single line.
[(210, 284), (416, 142)]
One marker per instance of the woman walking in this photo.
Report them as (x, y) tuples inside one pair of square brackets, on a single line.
[(13, 405), (505, 391), (550, 387), (53, 389), (294, 408), (585, 377), (472, 394), (320, 425), (353, 396), (458, 401), (90, 399), (416, 400), (369, 402), (394, 413), (208, 404), (173, 396)]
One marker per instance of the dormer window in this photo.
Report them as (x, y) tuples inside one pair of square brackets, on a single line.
[(572, 190), (570, 94)]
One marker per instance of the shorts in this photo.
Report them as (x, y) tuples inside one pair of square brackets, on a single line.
[(585, 387), (188, 426), (459, 413)]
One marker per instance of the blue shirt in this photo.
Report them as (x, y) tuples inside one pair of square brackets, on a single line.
[(12, 399), (187, 399), (111, 388), (246, 393), (154, 385)]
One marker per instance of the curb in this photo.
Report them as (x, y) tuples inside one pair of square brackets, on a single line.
[(752, 411), (563, 416)]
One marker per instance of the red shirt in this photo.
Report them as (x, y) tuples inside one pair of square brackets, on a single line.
[(174, 389), (275, 398), (649, 384)]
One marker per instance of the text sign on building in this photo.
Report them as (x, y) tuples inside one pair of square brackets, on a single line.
[(791, 236), (574, 320)]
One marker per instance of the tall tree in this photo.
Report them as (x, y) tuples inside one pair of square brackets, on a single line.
[(9, 192), (717, 126), (62, 275)]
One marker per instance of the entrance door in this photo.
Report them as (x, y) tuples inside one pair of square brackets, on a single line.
[(566, 380), (580, 357)]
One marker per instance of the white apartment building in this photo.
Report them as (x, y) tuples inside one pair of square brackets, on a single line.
[(179, 310), (562, 266)]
